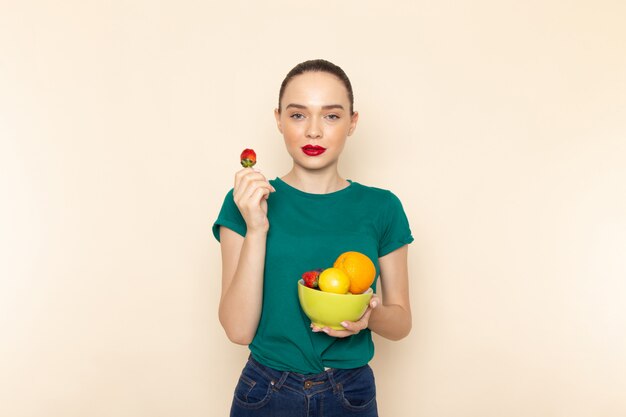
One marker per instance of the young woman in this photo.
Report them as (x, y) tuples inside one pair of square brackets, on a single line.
[(273, 231)]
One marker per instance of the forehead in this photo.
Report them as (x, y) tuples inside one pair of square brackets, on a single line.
[(316, 89)]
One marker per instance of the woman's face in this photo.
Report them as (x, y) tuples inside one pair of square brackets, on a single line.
[(315, 119)]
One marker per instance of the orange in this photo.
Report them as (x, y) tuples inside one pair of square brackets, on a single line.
[(359, 268), (334, 280)]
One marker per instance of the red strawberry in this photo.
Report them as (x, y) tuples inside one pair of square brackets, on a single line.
[(310, 278), (248, 158)]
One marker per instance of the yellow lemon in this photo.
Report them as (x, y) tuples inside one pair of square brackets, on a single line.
[(334, 280)]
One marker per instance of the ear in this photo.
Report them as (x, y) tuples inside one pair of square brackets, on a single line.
[(353, 122), (277, 117)]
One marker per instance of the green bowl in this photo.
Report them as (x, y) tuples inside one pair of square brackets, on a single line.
[(327, 309)]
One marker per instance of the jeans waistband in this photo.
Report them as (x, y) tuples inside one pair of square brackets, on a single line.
[(331, 378)]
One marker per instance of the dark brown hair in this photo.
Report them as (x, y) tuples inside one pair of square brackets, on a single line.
[(317, 65)]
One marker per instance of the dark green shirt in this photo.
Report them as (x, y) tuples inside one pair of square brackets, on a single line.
[(309, 231)]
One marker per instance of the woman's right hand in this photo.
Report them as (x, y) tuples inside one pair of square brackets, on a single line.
[(250, 194)]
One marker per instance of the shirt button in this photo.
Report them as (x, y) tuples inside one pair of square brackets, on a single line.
[(307, 384)]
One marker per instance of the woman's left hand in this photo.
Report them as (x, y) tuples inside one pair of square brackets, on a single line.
[(351, 327)]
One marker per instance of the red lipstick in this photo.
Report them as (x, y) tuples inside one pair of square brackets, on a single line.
[(313, 150)]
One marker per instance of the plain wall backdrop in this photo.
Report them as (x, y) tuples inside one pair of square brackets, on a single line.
[(501, 125)]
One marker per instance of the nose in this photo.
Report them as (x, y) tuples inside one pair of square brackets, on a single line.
[(314, 130)]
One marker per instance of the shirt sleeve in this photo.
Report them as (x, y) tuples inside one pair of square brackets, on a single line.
[(229, 217), (395, 231)]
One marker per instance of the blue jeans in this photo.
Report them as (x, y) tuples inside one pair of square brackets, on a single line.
[(263, 391)]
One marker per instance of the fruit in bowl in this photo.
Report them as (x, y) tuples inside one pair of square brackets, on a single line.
[(328, 309), (339, 293), (359, 268)]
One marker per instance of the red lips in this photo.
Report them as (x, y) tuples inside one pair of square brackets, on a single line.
[(313, 150)]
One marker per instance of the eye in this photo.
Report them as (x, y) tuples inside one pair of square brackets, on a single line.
[(333, 117), (297, 116)]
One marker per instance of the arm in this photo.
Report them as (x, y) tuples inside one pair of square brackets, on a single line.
[(243, 259), (392, 319)]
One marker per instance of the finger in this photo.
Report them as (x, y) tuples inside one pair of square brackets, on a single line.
[(254, 173), (359, 325), (260, 194), (247, 187), (338, 333), (239, 175), (266, 180), (354, 326), (247, 173), (255, 192), (243, 182), (331, 332), (365, 318)]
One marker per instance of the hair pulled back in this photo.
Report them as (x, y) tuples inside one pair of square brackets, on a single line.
[(317, 65)]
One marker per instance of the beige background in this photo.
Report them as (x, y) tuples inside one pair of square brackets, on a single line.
[(500, 124)]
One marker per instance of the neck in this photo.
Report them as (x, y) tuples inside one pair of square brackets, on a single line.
[(315, 182)]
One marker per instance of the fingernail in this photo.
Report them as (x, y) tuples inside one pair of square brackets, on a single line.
[(344, 324), (374, 304), (325, 330)]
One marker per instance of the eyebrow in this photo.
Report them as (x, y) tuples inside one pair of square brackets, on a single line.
[(327, 107)]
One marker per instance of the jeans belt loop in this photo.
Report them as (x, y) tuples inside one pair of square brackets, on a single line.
[(278, 384), (332, 380)]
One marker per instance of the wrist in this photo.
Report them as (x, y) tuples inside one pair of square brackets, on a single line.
[(257, 232)]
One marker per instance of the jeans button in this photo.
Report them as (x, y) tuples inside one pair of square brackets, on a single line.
[(307, 384)]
